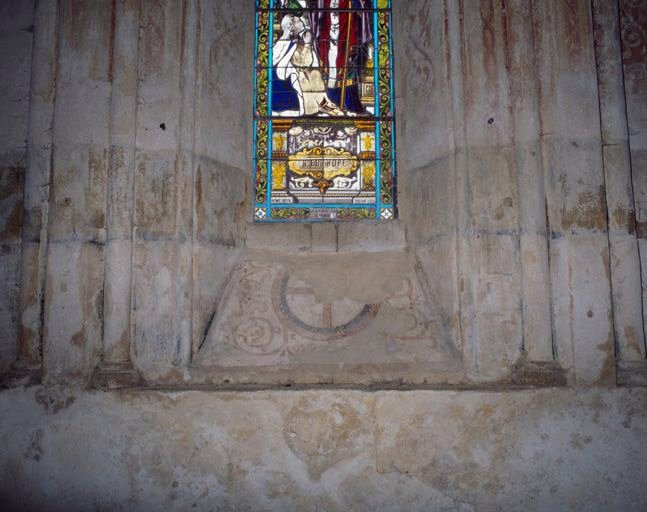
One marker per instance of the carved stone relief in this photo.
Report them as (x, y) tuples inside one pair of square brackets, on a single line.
[(269, 317)]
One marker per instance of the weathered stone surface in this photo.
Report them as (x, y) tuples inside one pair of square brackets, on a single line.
[(37, 183), (325, 237), (370, 237), (73, 311), (11, 215), (226, 83), (508, 168), (73, 306), (293, 238), (633, 16), (120, 186), (575, 190), (16, 36), (284, 319), (223, 149), (125, 218), (337, 450)]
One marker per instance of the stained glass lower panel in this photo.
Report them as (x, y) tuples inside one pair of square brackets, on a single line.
[(323, 170)]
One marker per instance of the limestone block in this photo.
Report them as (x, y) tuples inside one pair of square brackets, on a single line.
[(629, 326), (488, 121), (119, 211), (279, 237), (83, 74), (74, 297), (31, 301), (577, 209), (582, 309), (575, 186), (623, 251), (12, 182), (155, 292), (606, 17), (639, 178), (561, 300), (11, 215), (227, 86), (633, 60), (213, 266), (642, 246), (493, 190), (220, 199), (37, 188), (79, 180), (220, 193), (70, 119), (438, 274), (420, 60), (159, 95), (158, 128), (125, 72), (499, 324), (325, 237), (575, 191), (427, 200), (538, 343), (73, 315), (591, 312), (73, 310), (16, 15), (117, 303), (156, 194), (37, 182), (9, 303), (371, 237), (16, 36)]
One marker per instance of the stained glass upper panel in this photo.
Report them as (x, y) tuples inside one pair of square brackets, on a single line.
[(324, 127)]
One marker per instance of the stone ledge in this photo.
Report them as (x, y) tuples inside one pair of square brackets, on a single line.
[(21, 375), (538, 374), (387, 451), (115, 376), (632, 373)]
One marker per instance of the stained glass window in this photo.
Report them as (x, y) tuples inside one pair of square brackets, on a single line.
[(324, 127)]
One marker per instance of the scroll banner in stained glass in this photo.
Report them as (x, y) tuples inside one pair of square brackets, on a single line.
[(324, 111)]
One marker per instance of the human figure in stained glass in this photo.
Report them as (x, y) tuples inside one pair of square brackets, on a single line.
[(295, 60), (342, 39), (319, 58)]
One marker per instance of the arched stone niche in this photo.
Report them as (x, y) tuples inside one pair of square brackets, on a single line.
[(140, 262)]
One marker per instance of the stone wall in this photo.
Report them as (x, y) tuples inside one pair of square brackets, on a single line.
[(515, 257), (516, 242), (16, 34), (128, 259), (633, 19), (65, 449)]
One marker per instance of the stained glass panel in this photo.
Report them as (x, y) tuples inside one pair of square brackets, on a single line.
[(324, 111)]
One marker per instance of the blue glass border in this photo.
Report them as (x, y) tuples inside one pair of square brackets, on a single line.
[(378, 206)]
